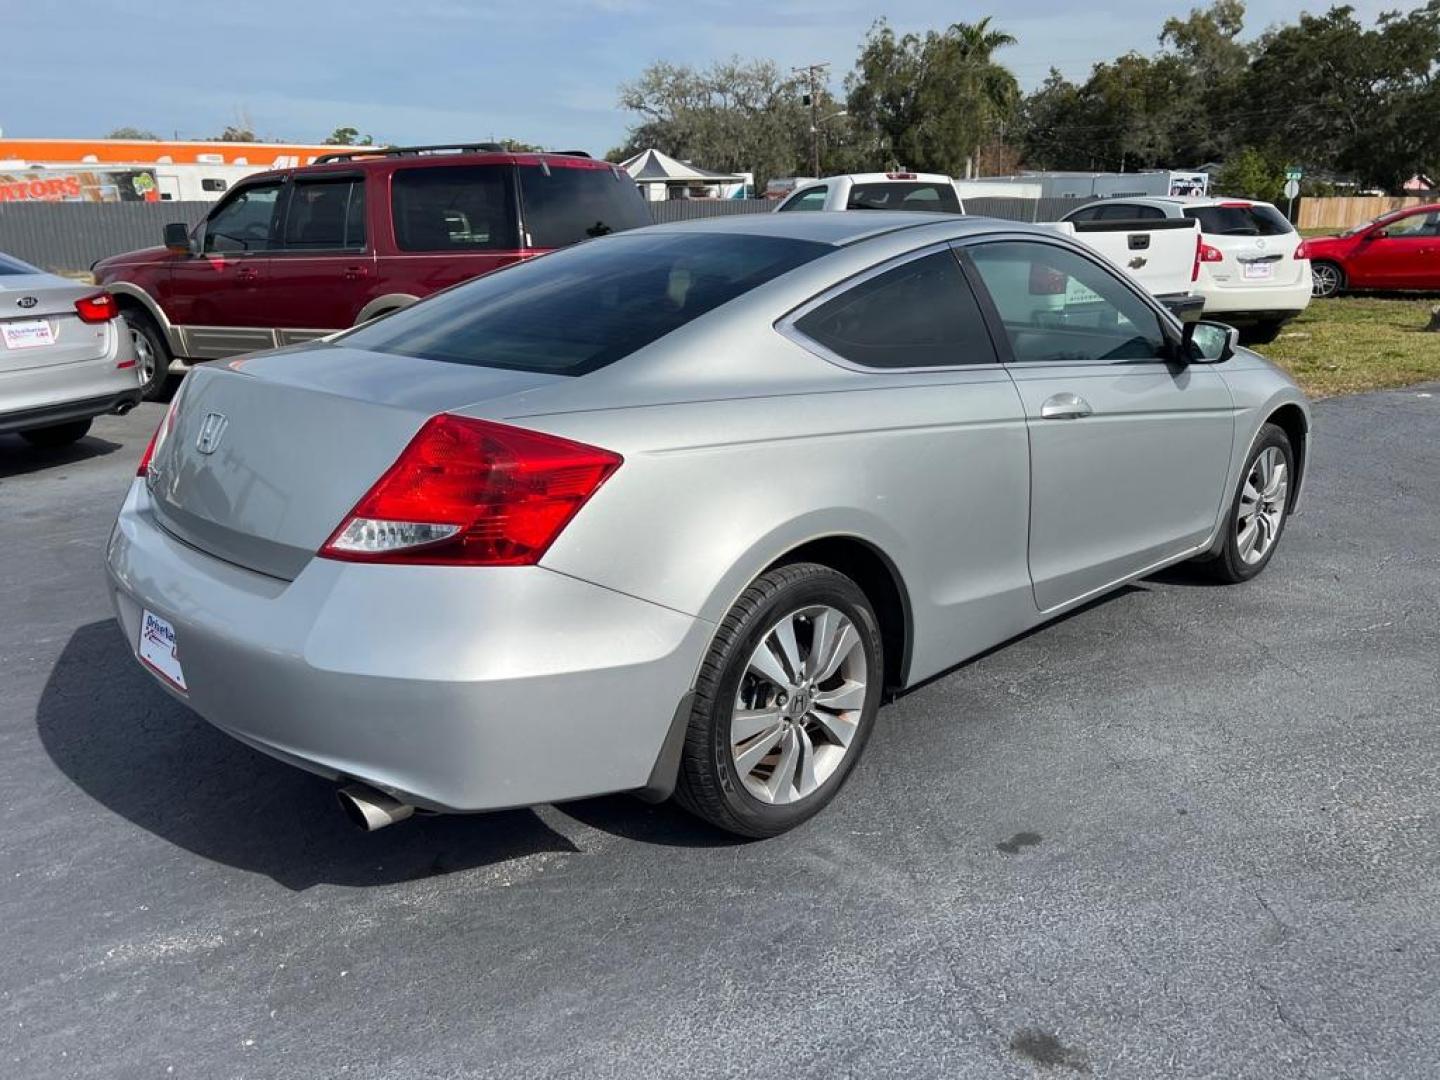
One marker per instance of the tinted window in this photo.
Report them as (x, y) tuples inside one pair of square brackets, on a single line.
[(809, 199), (1262, 219), (212, 183), (245, 221), (1130, 212), (585, 306), (1059, 307), (904, 196), (15, 266), (566, 205), (920, 314), (1090, 213), (455, 208), (326, 215)]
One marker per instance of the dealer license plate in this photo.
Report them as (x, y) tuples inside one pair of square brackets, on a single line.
[(30, 334), (158, 648)]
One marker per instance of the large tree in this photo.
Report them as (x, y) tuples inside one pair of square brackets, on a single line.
[(932, 101), (734, 115)]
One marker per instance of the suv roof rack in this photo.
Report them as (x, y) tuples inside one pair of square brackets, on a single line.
[(351, 153)]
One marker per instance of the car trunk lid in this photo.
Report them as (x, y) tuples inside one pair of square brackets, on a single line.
[(268, 454), (39, 326)]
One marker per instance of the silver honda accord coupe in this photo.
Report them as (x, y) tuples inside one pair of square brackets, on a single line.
[(673, 511)]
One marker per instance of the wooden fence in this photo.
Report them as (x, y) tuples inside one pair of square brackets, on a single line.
[(1341, 213)]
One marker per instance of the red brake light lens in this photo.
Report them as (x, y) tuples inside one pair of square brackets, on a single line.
[(98, 308), (1211, 254), (162, 432), (472, 493), (1302, 251)]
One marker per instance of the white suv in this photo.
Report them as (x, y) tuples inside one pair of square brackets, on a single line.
[(1245, 268), (877, 191)]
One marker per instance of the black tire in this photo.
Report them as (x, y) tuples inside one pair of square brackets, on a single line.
[(709, 784), (1264, 332), (156, 370), (1326, 279), (1229, 566), (57, 435)]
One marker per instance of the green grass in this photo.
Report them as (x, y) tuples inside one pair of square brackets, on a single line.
[(1355, 343)]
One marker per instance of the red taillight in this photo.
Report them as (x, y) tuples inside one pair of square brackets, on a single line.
[(1211, 254), (157, 440), (1302, 251), (472, 493), (98, 308)]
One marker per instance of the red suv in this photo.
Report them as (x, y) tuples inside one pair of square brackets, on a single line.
[(299, 253), (1400, 250)]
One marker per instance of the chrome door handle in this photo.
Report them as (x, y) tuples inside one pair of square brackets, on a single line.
[(1065, 407)]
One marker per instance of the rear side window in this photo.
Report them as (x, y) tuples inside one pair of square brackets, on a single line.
[(326, 215), (1238, 219), (585, 306), (1129, 212), (904, 196), (809, 199), (15, 266), (920, 314), (455, 208), (566, 205)]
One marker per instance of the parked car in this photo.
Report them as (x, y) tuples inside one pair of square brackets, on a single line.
[(1251, 269), (671, 511), (65, 357), (1161, 254), (1399, 250), (876, 191), (295, 254)]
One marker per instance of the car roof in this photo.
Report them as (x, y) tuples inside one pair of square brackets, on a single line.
[(840, 228), (381, 160)]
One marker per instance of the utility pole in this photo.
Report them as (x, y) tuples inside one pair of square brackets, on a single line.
[(812, 73)]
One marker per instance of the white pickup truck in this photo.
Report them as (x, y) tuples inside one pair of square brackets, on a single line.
[(1161, 254)]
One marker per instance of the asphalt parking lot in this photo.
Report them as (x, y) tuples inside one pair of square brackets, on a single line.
[(1188, 831)]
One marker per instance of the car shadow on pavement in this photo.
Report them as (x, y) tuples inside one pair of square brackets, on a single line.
[(144, 756), (18, 457)]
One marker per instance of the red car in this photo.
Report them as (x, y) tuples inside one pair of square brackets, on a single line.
[(295, 254), (1399, 250)]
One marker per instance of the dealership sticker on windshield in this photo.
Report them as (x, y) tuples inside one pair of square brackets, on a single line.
[(157, 648), (28, 334)]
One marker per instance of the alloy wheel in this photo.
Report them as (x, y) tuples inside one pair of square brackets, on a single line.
[(1324, 280), (799, 704), (144, 356), (1262, 505)]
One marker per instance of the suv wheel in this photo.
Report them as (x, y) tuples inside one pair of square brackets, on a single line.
[(152, 357), (784, 702)]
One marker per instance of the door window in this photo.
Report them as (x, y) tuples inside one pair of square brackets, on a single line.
[(326, 215), (920, 314), (1414, 225), (1058, 307), (809, 199), (245, 221), (455, 208), (565, 205)]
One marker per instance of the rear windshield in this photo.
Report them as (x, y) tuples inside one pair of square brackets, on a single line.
[(455, 208), (903, 196), (15, 266), (564, 205), (587, 306), (1261, 219)]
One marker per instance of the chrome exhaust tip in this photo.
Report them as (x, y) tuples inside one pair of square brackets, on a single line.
[(371, 809)]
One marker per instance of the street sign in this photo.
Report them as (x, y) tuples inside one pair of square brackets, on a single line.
[(1292, 188), (1292, 172)]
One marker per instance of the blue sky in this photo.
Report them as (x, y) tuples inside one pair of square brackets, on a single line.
[(434, 70)]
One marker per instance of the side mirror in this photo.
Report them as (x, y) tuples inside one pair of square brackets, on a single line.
[(1208, 342), (1379, 234), (1187, 309), (177, 239)]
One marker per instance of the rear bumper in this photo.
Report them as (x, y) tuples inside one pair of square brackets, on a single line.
[(1267, 304), (84, 409), (452, 688)]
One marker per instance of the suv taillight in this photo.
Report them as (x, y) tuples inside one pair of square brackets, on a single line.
[(97, 309), (472, 493), (1211, 254)]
